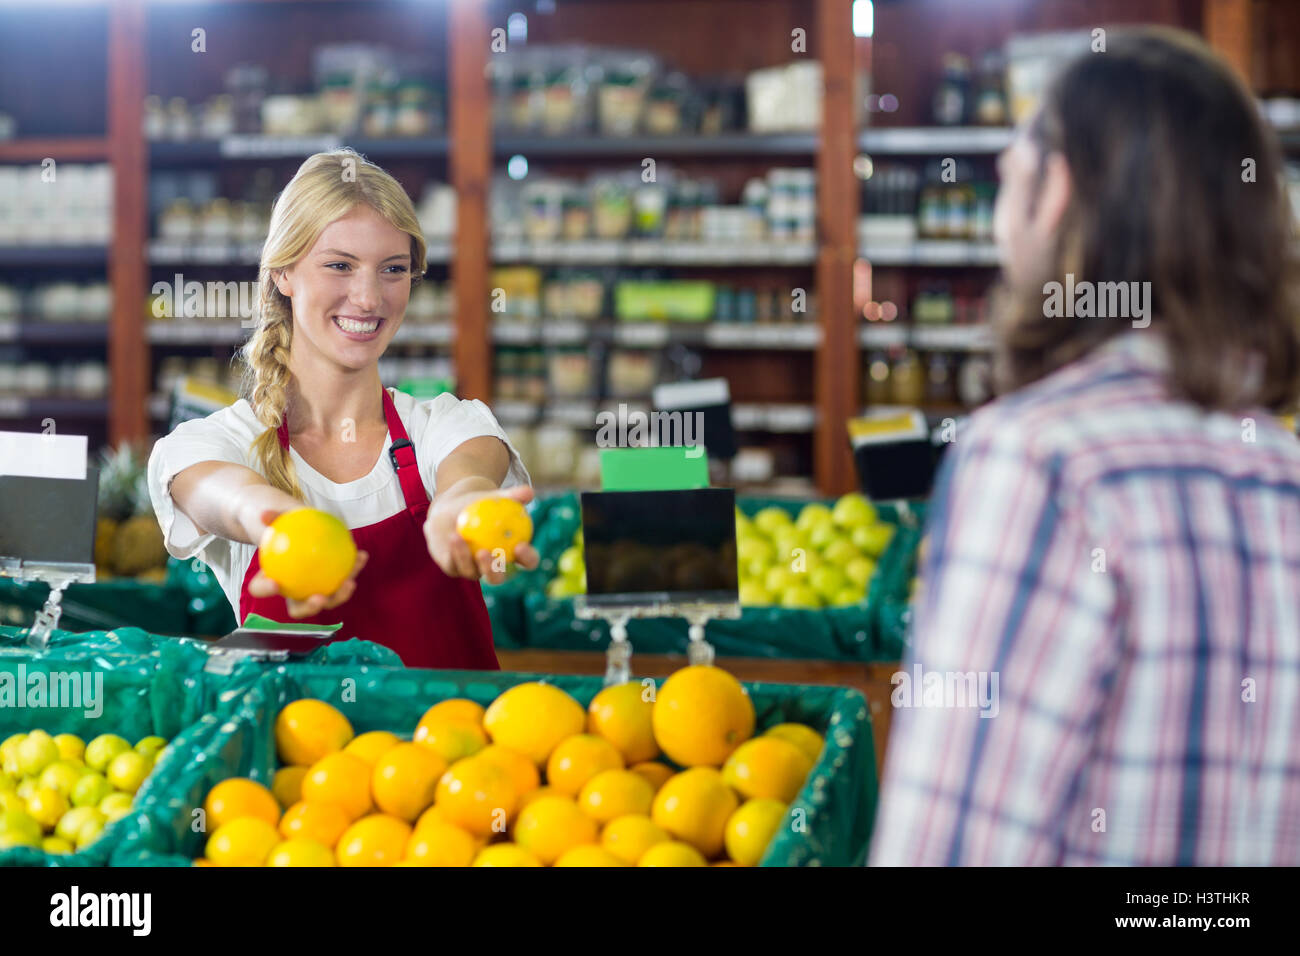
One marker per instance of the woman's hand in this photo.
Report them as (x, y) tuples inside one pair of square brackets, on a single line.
[(260, 586), (450, 551)]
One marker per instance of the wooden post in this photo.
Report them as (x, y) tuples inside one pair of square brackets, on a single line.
[(837, 364), (1228, 29), (128, 350), (470, 155)]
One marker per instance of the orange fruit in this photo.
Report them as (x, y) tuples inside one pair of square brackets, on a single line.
[(246, 841), (441, 844), (375, 840), (521, 770), (803, 737), (533, 718), (340, 779), (623, 716), (321, 823), (629, 837), (505, 854), (586, 855), (430, 817), (701, 715), (477, 796), (450, 739), (301, 853), (767, 767), (405, 780), (309, 729), (456, 708), (694, 807), (577, 759), (672, 853), (372, 745), (655, 773), (286, 785), (240, 797), (551, 826), (491, 523), (615, 793), (751, 828), (306, 551)]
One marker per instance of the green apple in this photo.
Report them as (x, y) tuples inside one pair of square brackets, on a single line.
[(752, 548), (755, 570), (562, 587), (769, 519), (150, 747), (570, 563), (800, 596), (36, 752), (71, 747), (753, 594), (826, 581), (780, 578), (61, 776), (847, 596), (853, 510), (872, 540), (70, 823), (823, 534), (742, 522), (101, 751), (57, 845), (115, 806), (840, 552), (128, 771), (26, 787), (20, 826), (90, 790), (812, 515), (9, 754), (859, 571)]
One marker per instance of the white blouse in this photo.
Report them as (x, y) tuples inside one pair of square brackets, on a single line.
[(435, 427)]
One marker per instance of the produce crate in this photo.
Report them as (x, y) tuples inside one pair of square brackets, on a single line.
[(869, 631), (144, 686), (829, 821)]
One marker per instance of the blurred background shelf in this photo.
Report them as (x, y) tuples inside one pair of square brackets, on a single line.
[(935, 140)]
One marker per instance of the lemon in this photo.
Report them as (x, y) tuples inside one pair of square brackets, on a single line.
[(247, 841), (300, 853), (701, 715), (589, 856), (672, 853), (803, 737), (286, 785), (441, 844), (46, 806), (767, 767), (373, 745), (630, 836), (71, 747), (128, 771), (405, 780), (449, 738), (577, 759), (70, 823), (694, 807), (495, 524), (751, 828), (307, 730), (321, 823), (306, 551), (533, 718), (622, 714), (551, 826), (505, 854), (615, 793), (376, 840)]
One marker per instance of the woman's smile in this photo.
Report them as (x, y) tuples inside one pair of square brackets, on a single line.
[(359, 328)]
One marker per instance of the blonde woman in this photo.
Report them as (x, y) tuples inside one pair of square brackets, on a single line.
[(317, 428)]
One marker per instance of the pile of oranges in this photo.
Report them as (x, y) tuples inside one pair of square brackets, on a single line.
[(532, 780)]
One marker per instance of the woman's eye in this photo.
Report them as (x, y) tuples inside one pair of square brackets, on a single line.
[(399, 269), (331, 265)]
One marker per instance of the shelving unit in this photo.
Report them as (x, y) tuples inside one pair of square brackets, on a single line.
[(795, 380)]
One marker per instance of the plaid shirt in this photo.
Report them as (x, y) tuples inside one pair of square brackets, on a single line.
[(1129, 569)]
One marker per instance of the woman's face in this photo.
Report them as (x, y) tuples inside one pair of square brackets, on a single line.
[(1032, 198), (350, 290)]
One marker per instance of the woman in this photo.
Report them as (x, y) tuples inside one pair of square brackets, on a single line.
[(1109, 629), (318, 429)]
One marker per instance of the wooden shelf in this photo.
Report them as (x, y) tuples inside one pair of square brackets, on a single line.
[(53, 255), (23, 406), (935, 140), (727, 145), (717, 335), (654, 252), (44, 332), (260, 148), (65, 149)]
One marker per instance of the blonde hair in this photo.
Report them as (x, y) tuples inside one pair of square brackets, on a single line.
[(326, 187)]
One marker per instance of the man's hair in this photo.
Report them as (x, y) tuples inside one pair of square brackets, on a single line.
[(1176, 181)]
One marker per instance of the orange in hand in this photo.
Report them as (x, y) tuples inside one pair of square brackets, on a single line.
[(306, 552), (491, 523)]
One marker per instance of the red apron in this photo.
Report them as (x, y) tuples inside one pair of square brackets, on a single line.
[(403, 599)]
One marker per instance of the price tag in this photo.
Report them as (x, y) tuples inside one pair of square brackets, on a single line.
[(642, 334), (259, 146), (563, 331)]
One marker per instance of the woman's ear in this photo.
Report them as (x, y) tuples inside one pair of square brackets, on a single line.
[(1054, 195), (283, 284)]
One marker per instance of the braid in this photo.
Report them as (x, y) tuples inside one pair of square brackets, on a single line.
[(267, 385)]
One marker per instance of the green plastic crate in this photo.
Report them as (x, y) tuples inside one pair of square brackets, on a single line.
[(829, 821)]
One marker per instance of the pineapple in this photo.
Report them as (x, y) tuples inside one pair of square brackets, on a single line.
[(134, 545)]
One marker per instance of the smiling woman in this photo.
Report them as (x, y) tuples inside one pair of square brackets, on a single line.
[(343, 252)]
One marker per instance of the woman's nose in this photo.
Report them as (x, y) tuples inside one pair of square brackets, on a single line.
[(365, 291)]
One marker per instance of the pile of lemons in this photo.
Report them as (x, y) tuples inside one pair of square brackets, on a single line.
[(531, 780), (58, 793)]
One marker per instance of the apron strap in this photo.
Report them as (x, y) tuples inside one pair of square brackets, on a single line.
[(402, 454)]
